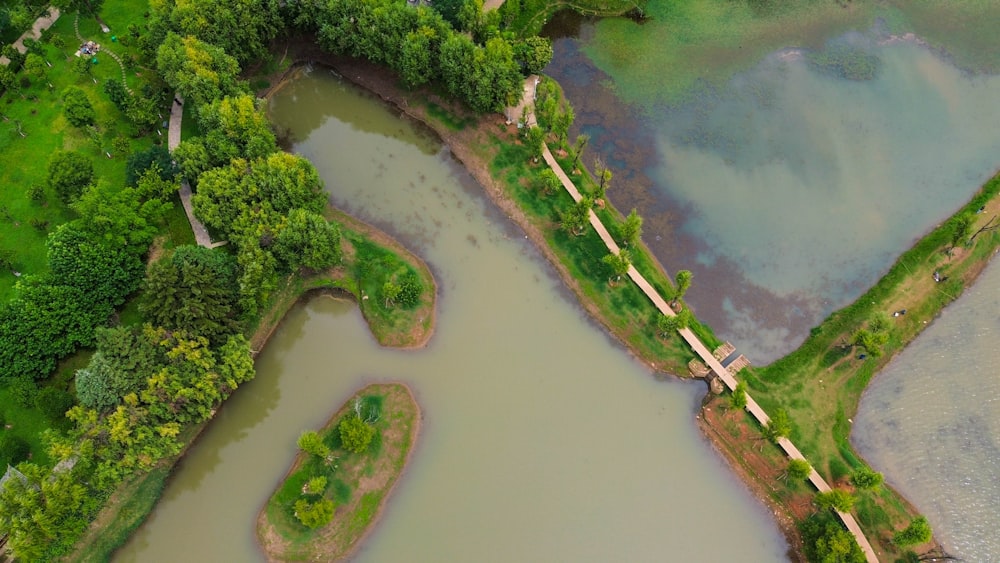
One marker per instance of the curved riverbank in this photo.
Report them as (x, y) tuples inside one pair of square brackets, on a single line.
[(372, 478), (398, 328)]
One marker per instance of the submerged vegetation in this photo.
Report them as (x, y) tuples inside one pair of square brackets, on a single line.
[(341, 477)]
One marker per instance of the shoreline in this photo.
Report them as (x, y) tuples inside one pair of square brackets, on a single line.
[(263, 525), (381, 83)]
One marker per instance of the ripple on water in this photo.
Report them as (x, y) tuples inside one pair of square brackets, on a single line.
[(931, 422)]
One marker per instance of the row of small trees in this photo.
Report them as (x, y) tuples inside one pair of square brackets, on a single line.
[(314, 509)]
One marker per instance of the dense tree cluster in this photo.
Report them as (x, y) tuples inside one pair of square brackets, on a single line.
[(270, 209), (484, 70), (825, 539)]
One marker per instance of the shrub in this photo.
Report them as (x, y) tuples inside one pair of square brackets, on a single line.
[(78, 109), (866, 478), (409, 289), (837, 499), (13, 449), (23, 391), (356, 434), (54, 402), (69, 173), (312, 443), (919, 531), (314, 514)]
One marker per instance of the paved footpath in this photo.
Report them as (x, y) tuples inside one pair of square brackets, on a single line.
[(201, 235), (40, 25), (696, 344)]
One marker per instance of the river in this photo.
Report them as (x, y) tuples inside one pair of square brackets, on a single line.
[(542, 438)]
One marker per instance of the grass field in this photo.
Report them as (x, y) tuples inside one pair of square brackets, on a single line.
[(37, 111)]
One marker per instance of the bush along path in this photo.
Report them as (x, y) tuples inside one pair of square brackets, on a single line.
[(696, 345)]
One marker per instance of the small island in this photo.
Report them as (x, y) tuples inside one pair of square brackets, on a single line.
[(341, 477)]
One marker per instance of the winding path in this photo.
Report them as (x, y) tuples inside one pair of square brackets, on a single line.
[(40, 25), (696, 344), (201, 235)]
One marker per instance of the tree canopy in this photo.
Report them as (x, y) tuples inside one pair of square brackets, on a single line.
[(69, 173), (201, 72), (193, 289)]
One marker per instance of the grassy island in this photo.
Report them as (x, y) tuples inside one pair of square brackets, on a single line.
[(341, 477)]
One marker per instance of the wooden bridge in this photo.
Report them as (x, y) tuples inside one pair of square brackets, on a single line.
[(713, 364)]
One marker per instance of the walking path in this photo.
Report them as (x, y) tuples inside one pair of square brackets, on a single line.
[(696, 344), (201, 235), (40, 25)]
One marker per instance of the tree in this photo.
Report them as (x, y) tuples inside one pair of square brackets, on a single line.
[(106, 273), (825, 539), (315, 485), (34, 66), (119, 217), (314, 514), (548, 182), (577, 217), (533, 54), (618, 264), (581, 143), (416, 66), (77, 108), (237, 128), (242, 28), (779, 426), (738, 400), (356, 434), (837, 499), (195, 290), (961, 229), (88, 7), (866, 478), (667, 324), (13, 449), (535, 139), (69, 173), (116, 92), (312, 443), (562, 123), (682, 281), (631, 229), (390, 293), (919, 531), (798, 469), (141, 161), (201, 72), (308, 240)]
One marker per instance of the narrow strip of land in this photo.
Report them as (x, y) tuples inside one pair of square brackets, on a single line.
[(696, 344)]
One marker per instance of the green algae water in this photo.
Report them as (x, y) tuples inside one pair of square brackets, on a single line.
[(787, 157), (542, 439)]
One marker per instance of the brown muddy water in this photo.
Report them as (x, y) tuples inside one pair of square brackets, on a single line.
[(543, 440), (785, 186)]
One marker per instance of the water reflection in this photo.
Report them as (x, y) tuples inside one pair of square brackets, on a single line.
[(541, 440), (788, 189)]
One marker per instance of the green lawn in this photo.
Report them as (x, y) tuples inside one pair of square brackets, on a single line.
[(24, 224)]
